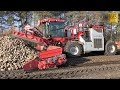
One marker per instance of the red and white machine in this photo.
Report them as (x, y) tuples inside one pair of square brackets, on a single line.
[(78, 39), (57, 38)]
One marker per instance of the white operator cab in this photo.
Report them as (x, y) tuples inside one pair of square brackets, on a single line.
[(93, 39)]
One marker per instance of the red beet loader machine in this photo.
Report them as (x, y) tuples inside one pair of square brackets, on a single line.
[(48, 56), (73, 40)]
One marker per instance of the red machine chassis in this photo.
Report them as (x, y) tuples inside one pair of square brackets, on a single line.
[(51, 57)]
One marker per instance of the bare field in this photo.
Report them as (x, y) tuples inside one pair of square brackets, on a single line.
[(75, 68)]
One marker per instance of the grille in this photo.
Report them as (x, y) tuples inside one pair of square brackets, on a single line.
[(97, 43)]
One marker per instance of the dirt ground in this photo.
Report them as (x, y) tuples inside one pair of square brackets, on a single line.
[(91, 58), (99, 75)]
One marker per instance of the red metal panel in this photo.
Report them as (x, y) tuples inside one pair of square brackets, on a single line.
[(80, 33), (33, 64), (50, 52), (29, 37), (59, 39), (51, 20)]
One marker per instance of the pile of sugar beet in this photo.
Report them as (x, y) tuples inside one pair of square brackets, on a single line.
[(14, 53)]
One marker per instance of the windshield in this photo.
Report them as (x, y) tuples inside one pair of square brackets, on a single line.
[(54, 29)]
